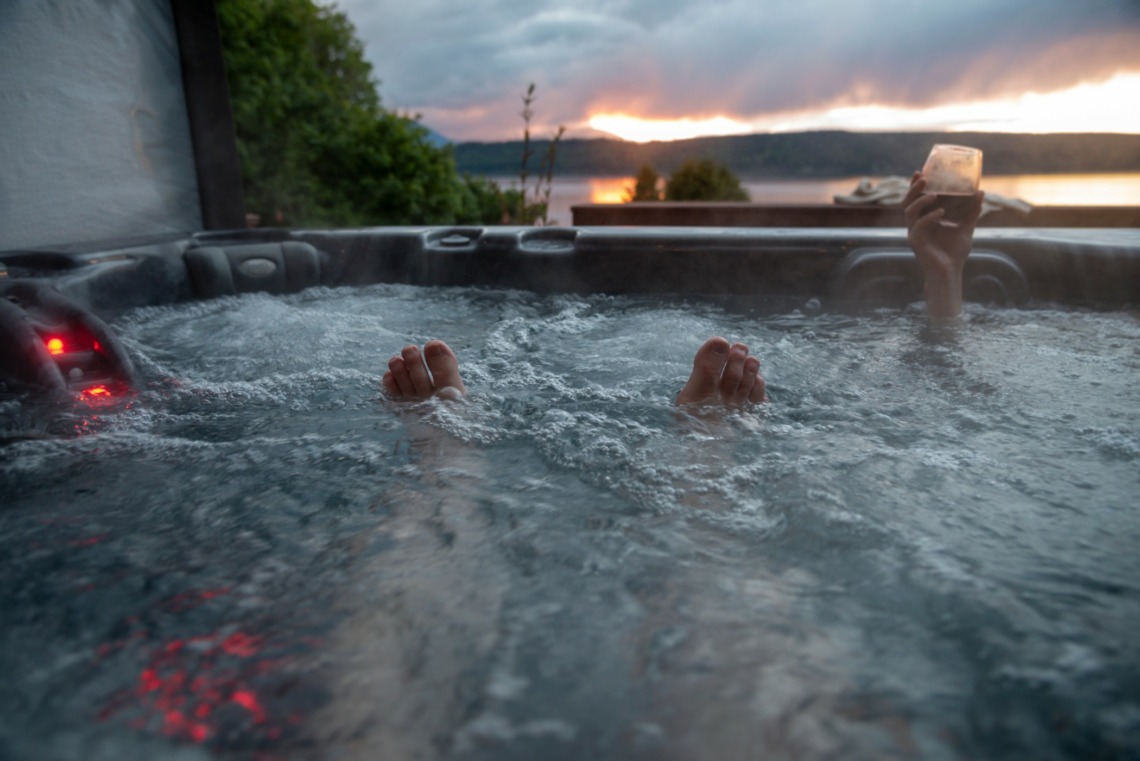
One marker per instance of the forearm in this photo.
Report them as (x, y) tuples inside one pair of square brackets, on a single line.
[(943, 292)]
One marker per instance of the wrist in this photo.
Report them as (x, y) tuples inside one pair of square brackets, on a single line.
[(943, 296), (943, 287)]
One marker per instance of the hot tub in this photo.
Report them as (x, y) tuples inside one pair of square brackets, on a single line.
[(65, 290), (923, 547)]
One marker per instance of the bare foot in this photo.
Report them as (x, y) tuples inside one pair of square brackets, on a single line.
[(723, 374), (414, 376)]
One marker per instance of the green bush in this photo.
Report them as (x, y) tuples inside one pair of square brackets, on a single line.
[(486, 203), (316, 146), (646, 187), (704, 180)]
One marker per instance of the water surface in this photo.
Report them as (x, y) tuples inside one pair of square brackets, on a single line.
[(924, 547)]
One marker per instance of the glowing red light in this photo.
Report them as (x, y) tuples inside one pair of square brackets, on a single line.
[(89, 541), (241, 644), (99, 391), (95, 345), (174, 722), (248, 700), (189, 678), (192, 599), (149, 680), (55, 346)]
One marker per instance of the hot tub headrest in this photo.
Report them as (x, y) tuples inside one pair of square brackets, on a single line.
[(892, 277), (285, 267)]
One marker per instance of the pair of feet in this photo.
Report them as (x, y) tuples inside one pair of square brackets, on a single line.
[(723, 374)]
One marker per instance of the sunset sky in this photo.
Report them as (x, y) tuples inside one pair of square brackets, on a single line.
[(668, 69)]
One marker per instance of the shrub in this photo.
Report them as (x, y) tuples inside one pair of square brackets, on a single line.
[(647, 187), (704, 180), (316, 146)]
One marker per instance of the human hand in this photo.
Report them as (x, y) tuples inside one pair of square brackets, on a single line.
[(941, 248)]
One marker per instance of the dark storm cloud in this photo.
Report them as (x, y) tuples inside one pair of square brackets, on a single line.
[(463, 64)]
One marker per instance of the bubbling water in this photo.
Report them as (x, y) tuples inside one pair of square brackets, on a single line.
[(924, 546)]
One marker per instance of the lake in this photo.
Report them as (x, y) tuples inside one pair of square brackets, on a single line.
[(1042, 189)]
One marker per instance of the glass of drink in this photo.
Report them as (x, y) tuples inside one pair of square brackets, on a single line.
[(953, 173)]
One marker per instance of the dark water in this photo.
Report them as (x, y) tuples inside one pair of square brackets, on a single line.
[(925, 547)]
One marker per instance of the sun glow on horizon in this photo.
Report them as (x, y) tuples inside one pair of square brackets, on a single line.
[(1108, 106), (638, 130)]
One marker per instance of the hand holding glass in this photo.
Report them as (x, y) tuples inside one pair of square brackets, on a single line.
[(953, 173)]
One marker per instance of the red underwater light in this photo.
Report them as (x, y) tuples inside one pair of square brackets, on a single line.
[(103, 393), (60, 346)]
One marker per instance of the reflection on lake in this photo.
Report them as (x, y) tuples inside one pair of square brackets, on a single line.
[(1041, 189), (1069, 189)]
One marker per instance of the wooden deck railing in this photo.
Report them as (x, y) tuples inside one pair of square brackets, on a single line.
[(743, 214)]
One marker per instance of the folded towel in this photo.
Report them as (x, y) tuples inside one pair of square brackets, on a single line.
[(890, 191)]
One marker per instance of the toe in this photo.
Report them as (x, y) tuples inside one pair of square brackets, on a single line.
[(733, 374), (400, 381), (708, 365), (751, 372), (444, 366), (759, 393), (388, 382), (417, 371)]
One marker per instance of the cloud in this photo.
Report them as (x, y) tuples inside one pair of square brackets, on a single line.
[(463, 65)]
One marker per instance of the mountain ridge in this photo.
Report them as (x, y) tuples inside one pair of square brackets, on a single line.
[(825, 153)]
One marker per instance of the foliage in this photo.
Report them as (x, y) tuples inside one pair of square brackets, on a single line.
[(316, 146), (647, 187), (486, 203), (694, 180), (524, 210), (381, 170), (704, 180)]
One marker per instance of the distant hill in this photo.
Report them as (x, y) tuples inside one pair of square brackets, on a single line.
[(436, 139), (818, 154)]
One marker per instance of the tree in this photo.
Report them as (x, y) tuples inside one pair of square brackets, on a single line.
[(647, 186), (704, 180), (379, 170), (316, 146)]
